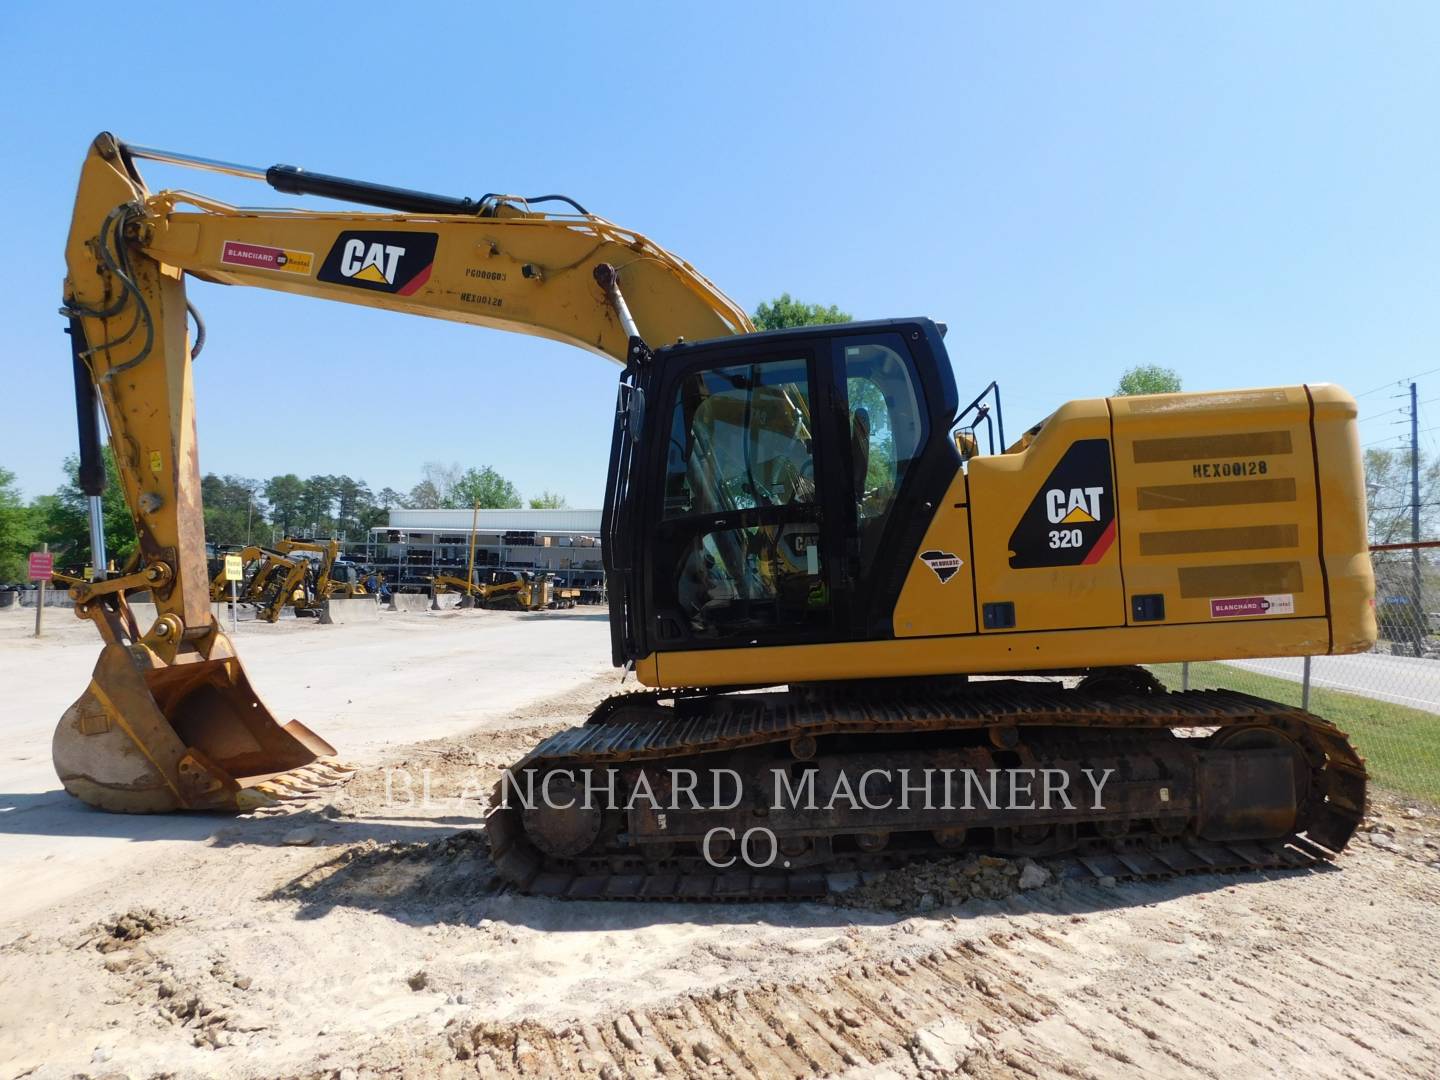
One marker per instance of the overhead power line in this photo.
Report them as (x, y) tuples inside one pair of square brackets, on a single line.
[(1397, 382)]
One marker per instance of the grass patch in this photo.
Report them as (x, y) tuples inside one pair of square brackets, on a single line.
[(1400, 745)]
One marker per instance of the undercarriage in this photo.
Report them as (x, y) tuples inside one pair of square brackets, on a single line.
[(762, 795)]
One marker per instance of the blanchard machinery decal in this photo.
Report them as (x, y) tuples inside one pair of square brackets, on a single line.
[(1071, 520), (263, 257), (943, 563), (1236, 606), (392, 262)]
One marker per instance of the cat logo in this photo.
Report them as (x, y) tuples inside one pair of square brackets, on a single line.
[(1074, 507), (1070, 521), (371, 262), (389, 261)]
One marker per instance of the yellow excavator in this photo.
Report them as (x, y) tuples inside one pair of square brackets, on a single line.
[(279, 579), (274, 580), (813, 548), (323, 580), (219, 583), (518, 590)]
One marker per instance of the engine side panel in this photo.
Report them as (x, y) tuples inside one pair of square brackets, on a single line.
[(1219, 510)]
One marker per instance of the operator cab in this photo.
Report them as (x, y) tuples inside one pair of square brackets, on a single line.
[(774, 469)]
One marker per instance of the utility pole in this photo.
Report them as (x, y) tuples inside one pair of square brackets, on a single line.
[(1415, 582), (470, 564)]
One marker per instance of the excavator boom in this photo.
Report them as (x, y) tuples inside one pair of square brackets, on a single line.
[(169, 719)]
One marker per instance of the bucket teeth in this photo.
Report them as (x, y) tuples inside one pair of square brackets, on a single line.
[(289, 789), (254, 798)]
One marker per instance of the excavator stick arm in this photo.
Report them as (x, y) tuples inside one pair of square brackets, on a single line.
[(493, 262)]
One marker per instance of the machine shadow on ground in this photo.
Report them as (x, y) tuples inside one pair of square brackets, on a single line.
[(54, 813), (437, 870), (424, 879)]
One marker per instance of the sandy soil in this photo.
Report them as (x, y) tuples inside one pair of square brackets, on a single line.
[(364, 686), (382, 944)]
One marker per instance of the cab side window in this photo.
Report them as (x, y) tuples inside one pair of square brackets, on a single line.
[(886, 429)]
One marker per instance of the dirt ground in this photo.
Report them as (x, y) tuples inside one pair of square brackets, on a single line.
[(366, 935)]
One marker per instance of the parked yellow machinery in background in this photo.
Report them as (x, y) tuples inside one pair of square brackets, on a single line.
[(322, 582), (283, 576), (793, 514), (519, 590)]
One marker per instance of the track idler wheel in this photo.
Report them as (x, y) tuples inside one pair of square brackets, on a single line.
[(556, 819), (1253, 781)]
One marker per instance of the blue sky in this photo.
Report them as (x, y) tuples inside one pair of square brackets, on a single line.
[(1244, 192)]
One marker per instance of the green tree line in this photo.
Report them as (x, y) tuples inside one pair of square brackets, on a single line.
[(240, 510)]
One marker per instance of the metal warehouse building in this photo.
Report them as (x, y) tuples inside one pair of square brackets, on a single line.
[(417, 544)]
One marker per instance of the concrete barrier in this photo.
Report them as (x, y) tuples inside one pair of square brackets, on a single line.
[(146, 613), (444, 601), (244, 613), (340, 610), (409, 601), (54, 597)]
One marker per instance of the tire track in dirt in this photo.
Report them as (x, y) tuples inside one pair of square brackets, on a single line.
[(1044, 998), (930, 1013)]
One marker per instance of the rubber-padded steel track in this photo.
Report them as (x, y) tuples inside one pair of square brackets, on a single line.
[(640, 727)]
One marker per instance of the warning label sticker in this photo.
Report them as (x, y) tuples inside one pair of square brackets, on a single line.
[(266, 258), (1234, 606)]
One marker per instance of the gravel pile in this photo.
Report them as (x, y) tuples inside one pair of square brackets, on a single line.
[(945, 883)]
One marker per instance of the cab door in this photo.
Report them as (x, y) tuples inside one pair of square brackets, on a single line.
[(791, 480), (742, 549)]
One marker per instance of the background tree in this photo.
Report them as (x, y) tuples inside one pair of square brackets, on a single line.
[(284, 494), (423, 496), (64, 520), (17, 529), (378, 512), (785, 311), (549, 500), (352, 504), (483, 487), (390, 499), (1148, 379), (1387, 490), (317, 505), (234, 512), (442, 479)]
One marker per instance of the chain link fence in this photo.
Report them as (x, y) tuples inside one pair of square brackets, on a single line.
[(1388, 699)]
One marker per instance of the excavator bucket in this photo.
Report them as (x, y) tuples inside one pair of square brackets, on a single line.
[(148, 737)]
